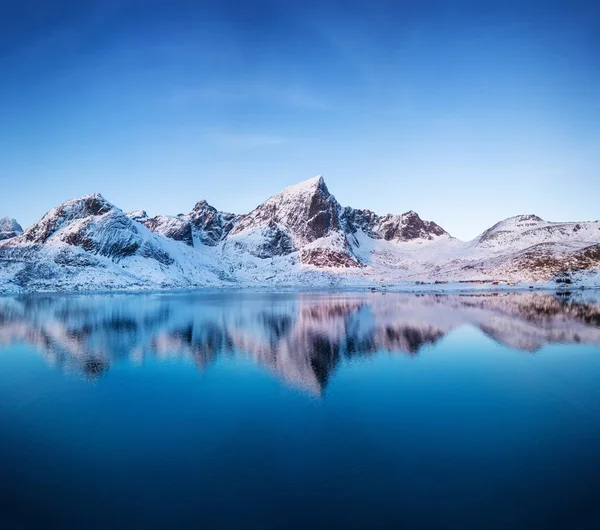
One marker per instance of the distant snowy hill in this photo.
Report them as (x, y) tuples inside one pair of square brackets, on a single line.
[(299, 237), (9, 228)]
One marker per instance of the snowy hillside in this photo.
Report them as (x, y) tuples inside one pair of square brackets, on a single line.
[(299, 237)]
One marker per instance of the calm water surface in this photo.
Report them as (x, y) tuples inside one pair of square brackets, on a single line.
[(273, 411)]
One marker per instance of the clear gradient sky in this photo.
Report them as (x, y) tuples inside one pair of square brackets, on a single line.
[(467, 112)]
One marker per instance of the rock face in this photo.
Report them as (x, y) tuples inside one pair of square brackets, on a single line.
[(300, 236), (9, 228), (307, 211), (210, 226), (406, 227)]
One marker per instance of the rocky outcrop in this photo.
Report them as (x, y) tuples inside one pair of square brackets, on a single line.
[(406, 227), (210, 226), (204, 224)]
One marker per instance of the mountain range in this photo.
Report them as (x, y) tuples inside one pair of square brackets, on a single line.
[(300, 237)]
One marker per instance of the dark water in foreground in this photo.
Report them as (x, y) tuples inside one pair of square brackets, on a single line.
[(300, 411)]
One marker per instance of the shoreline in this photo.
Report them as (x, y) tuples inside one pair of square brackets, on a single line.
[(427, 288)]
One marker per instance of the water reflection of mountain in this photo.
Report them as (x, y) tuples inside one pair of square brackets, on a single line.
[(300, 337)]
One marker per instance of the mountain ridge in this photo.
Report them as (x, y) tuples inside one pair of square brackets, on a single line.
[(300, 236)]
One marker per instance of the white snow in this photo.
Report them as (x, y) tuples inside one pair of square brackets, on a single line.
[(503, 253)]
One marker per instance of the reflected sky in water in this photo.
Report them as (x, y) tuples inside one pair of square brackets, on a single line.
[(301, 338), (254, 410)]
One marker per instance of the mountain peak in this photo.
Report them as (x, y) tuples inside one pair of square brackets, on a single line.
[(309, 186), (138, 215), (202, 205), (410, 213), (524, 218), (95, 195), (509, 229), (92, 205), (9, 228), (307, 211)]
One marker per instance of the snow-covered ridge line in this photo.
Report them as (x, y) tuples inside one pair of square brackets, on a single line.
[(299, 237)]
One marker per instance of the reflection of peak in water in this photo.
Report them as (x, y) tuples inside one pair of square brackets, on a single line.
[(299, 337)]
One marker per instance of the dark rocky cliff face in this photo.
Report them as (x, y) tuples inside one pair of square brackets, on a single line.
[(277, 242), (304, 214), (406, 227), (307, 211), (113, 235), (204, 223), (323, 214), (210, 225), (409, 226)]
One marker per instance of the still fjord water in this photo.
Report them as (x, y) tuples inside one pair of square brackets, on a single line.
[(340, 410)]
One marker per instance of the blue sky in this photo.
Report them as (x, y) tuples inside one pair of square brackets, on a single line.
[(467, 112)]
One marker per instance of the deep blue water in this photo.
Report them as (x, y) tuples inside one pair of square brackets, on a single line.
[(277, 411)]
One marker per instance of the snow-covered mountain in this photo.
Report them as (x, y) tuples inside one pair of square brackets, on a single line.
[(299, 237), (304, 219), (9, 228), (89, 243)]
